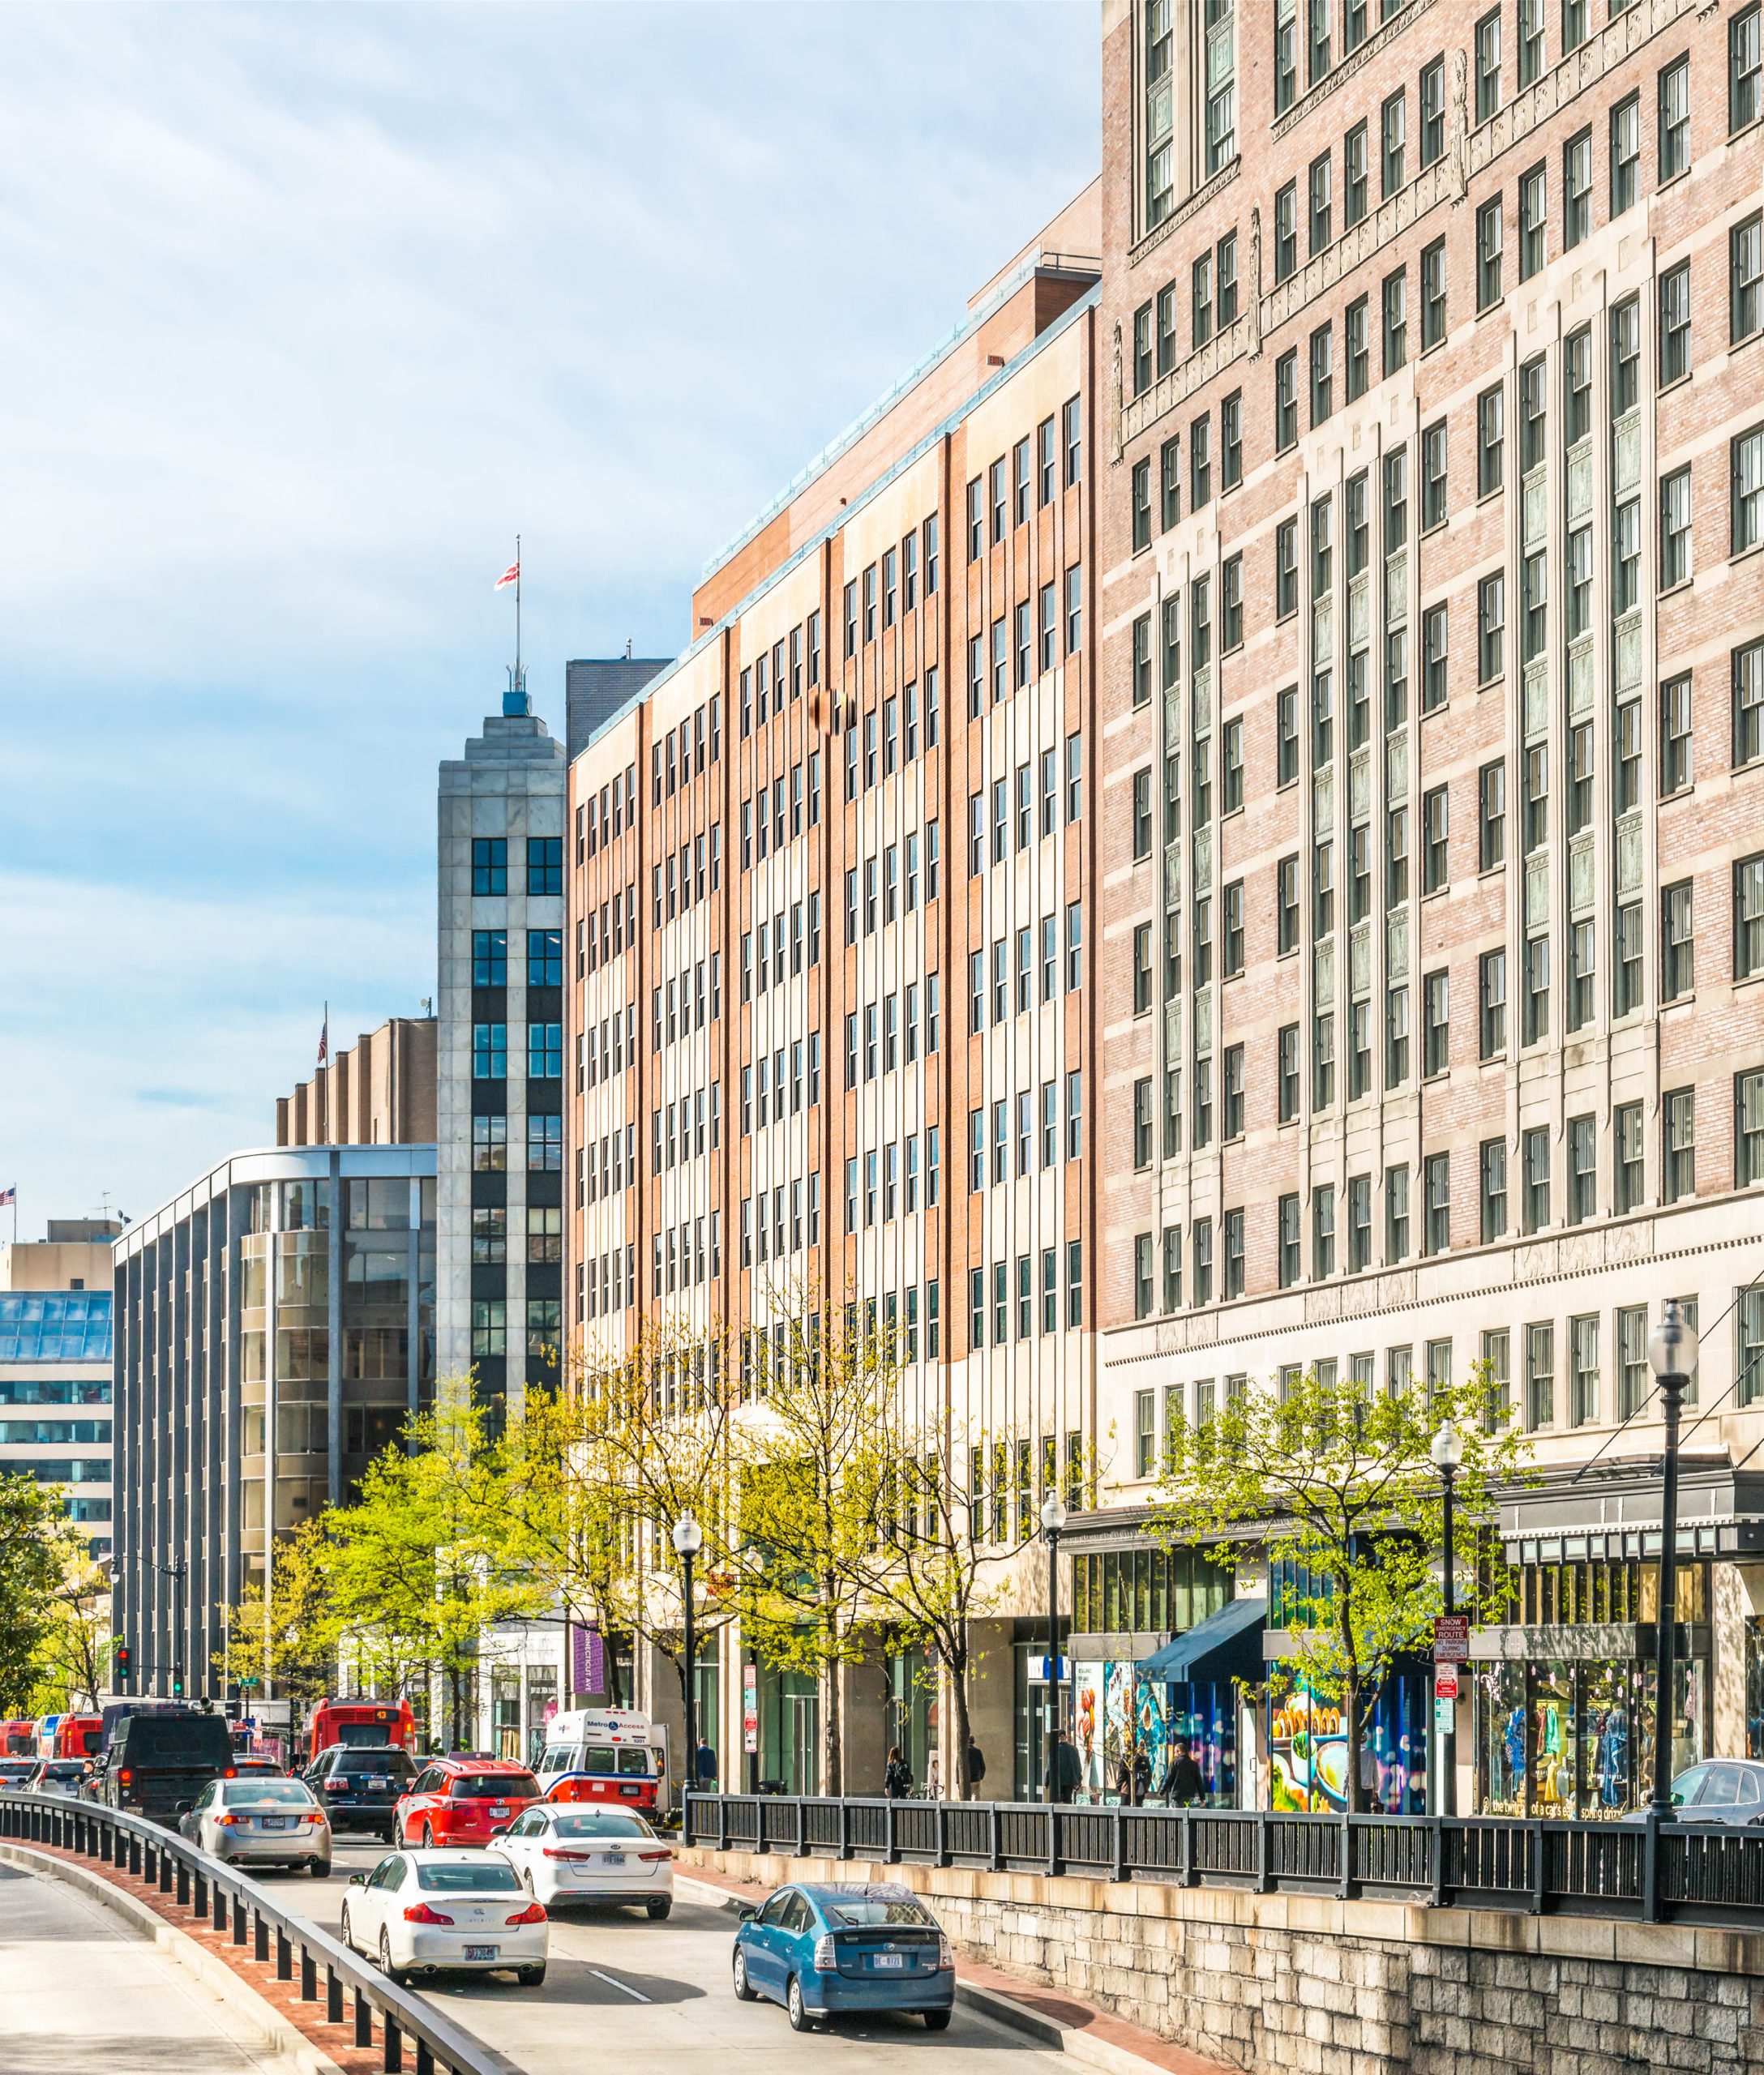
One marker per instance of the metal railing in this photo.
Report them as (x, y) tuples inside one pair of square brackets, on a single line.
[(1648, 1870), (326, 1971)]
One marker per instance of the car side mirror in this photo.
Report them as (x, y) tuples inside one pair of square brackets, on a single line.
[(746, 1912), (184, 1807), (358, 1880)]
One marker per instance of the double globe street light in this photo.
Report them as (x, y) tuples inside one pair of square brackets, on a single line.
[(688, 1539), (1672, 1354), (1447, 1449), (1053, 1520)]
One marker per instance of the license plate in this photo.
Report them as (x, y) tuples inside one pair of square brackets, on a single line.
[(895, 1960), (481, 1951), (276, 1822), (612, 1859), (377, 1781), (499, 1812)]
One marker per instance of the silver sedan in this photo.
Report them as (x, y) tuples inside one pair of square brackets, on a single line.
[(253, 1822)]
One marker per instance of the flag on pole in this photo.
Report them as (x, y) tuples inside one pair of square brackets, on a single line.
[(324, 1038), (511, 574), (10, 1196)]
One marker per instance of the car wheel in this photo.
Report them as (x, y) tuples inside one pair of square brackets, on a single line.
[(800, 2019), (659, 1908), (531, 1977), (395, 1974), (320, 1868), (936, 2020), (745, 1991), (428, 1836), (343, 1928)]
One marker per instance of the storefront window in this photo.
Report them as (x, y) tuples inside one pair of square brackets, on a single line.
[(1562, 1737)]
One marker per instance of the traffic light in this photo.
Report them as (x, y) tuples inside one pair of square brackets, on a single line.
[(177, 1685), (125, 1659)]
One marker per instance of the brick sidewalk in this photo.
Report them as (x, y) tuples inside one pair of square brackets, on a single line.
[(1045, 2003)]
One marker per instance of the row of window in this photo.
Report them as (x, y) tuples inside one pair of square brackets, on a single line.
[(489, 865), (489, 1051), (774, 678), (1016, 995), (490, 958), (682, 1005), (680, 1130), (609, 1164), (775, 814), (769, 955), (1005, 1493), (889, 588), (1019, 817), (891, 1185), (1002, 499), (1018, 1135), (687, 1256), (607, 814), (1002, 1307), (610, 1043), (606, 1283), (490, 1143), (894, 1032), (899, 738), (891, 885), (681, 880), (44, 1432), (490, 1233), (676, 758), (1026, 643), (782, 1085), (604, 932), (780, 1222), (544, 1329)]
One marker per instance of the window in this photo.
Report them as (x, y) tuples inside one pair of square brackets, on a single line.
[(1433, 294), (1288, 1266), (1231, 605), (1582, 1169), (1287, 1051), (490, 958), (1537, 989), (1321, 209), (1744, 70), (1286, 904), (1226, 273), (1435, 840), (1582, 1370), (1675, 323), (1625, 153), (1540, 1376), (1626, 990), (1396, 1214), (544, 1051), (1678, 1166), (1745, 278), (1576, 190), (1531, 52), (545, 957), (1433, 657), (1492, 804), (1674, 118), (1322, 375), (1200, 299), (1491, 626), (1323, 1062), (1354, 177), (1534, 1144), (544, 864), (1748, 464), (1232, 767), (1488, 248), (1397, 1037), (1285, 232), (1534, 202), (1141, 506), (1494, 1169), (1748, 704), (1396, 321), (1285, 568), (1234, 1092), (1487, 66), (1748, 1129), (1432, 111), (1202, 1242), (1576, 352), (1232, 440), (1436, 1050), (1071, 432), (1286, 402), (1675, 531), (1392, 130), (1749, 917), (1491, 436), (489, 865), (1355, 350), (1437, 1183), (1199, 463), (1322, 1232), (1433, 476), (1141, 970), (1286, 732), (1231, 948), (489, 1051), (1634, 1380), (1675, 735), (1626, 1139)]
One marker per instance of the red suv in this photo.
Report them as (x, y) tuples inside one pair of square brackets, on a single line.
[(462, 1800)]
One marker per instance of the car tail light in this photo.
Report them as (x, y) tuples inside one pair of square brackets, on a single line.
[(226, 1822), (534, 1913), (946, 1959), (230, 1773), (650, 1858), (551, 1851), (123, 1779), (421, 1913), (826, 1960), (336, 1787)]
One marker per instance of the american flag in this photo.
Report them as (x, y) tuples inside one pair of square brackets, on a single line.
[(511, 574), (325, 1038), (9, 1196)]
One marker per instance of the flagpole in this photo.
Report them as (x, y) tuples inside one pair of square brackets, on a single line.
[(517, 611)]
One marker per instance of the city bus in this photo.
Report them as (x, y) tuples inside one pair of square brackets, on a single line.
[(17, 1740), (363, 1724)]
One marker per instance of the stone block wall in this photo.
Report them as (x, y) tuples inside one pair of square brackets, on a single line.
[(1289, 1984)]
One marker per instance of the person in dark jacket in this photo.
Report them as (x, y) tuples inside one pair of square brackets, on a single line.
[(1182, 1785), (976, 1763), (1067, 1771), (897, 1776)]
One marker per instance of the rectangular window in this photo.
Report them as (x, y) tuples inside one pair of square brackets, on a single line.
[(1533, 205), (1678, 1164), (1748, 1129), (1748, 506), (1494, 1169), (1392, 130), (1354, 162), (1322, 375), (1488, 254), (1355, 350), (1437, 1176), (1433, 294), (1321, 201), (1674, 118), (1487, 39), (1745, 70), (1539, 1376), (1396, 1214), (1396, 322)]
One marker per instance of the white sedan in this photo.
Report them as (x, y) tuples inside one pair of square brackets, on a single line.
[(425, 1912), (575, 1852)]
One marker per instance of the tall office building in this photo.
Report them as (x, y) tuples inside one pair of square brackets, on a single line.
[(55, 1367), (1432, 848), (275, 1327), (831, 911), (499, 1056)]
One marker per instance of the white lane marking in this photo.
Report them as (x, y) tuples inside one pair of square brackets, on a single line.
[(637, 1995)]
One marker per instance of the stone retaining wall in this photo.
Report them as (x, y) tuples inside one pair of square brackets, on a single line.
[(1308, 1985)]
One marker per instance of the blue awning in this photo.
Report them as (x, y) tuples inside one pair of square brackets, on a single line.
[(1225, 1645)]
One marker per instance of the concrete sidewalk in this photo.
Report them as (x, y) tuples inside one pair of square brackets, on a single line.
[(1089, 2035)]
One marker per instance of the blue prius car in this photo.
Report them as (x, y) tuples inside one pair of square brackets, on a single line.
[(834, 1948)]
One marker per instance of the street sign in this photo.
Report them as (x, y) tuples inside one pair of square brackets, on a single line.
[(1037, 1670), (750, 1707), (1451, 1638), (1446, 1682), (1445, 1716)]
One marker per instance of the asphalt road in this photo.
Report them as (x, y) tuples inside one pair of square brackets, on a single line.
[(81, 1994), (656, 1997)]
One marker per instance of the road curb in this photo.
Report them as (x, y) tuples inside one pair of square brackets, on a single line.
[(1050, 2032), (273, 2031)]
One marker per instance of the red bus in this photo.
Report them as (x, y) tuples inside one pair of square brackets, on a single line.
[(365, 1724), (78, 1736), (17, 1740)]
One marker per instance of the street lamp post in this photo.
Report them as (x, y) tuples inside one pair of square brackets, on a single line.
[(688, 1539), (1447, 1450), (1672, 1354), (1053, 1519)]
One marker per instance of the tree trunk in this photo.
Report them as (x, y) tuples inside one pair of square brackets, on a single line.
[(1356, 1793), (959, 1783)]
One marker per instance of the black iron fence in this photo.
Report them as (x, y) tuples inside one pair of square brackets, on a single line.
[(351, 1989), (1651, 1871)]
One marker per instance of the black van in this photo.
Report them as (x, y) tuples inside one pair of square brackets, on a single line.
[(156, 1763)]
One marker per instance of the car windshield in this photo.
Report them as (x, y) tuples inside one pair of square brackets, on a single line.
[(486, 1877), (390, 1764), (875, 1908), (495, 1786), (64, 1769), (268, 1794), (592, 1823), (17, 1769)]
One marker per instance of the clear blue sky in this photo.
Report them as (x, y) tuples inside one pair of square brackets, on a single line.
[(304, 311)]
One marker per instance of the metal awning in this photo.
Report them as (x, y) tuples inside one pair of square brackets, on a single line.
[(1225, 1645)]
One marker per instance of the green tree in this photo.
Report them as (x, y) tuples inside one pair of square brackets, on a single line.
[(73, 1658), (1337, 1477), (290, 1636), (817, 1477), (36, 1548)]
